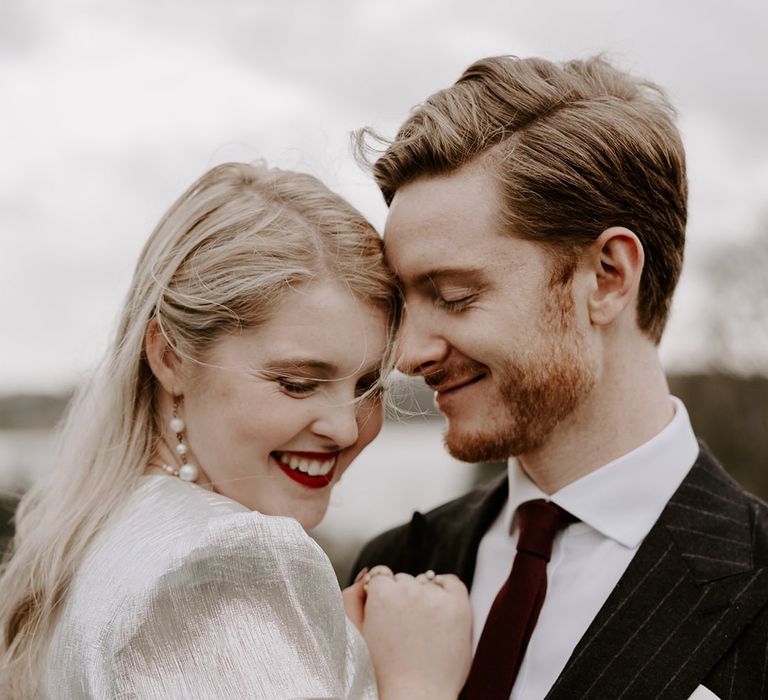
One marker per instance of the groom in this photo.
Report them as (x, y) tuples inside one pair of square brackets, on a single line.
[(536, 221)]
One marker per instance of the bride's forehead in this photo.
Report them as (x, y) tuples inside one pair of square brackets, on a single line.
[(331, 343), (317, 303)]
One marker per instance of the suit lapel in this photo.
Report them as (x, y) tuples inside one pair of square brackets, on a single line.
[(684, 598)]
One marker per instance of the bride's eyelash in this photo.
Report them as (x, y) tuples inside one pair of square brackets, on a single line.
[(295, 386), (369, 386)]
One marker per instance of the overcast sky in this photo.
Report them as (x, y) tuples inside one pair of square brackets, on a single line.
[(109, 110)]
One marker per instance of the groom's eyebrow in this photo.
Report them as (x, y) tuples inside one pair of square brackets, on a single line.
[(464, 275)]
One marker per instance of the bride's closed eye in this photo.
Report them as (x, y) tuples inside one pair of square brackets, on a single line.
[(296, 387)]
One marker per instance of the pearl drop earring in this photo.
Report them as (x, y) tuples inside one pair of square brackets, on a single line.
[(187, 471)]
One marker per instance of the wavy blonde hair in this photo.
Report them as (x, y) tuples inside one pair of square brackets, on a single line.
[(219, 261)]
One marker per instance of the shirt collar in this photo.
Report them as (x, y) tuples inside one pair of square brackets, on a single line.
[(624, 498)]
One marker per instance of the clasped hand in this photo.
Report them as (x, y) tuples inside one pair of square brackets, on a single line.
[(418, 631)]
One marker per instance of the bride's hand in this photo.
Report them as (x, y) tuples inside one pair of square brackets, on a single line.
[(418, 631)]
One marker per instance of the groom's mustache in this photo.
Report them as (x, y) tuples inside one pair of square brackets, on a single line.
[(453, 374)]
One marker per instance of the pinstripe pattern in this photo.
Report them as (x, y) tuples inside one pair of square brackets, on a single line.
[(691, 608), (685, 597)]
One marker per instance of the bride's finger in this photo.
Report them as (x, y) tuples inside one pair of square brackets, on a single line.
[(450, 583), (380, 570), (354, 603)]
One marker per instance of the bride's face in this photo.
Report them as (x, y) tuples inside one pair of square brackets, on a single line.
[(277, 414)]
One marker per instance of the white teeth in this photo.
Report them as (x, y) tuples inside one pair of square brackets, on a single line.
[(325, 467), (312, 467)]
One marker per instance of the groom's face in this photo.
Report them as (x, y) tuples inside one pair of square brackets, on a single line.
[(504, 347)]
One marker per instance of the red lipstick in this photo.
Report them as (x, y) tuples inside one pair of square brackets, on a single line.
[(318, 481)]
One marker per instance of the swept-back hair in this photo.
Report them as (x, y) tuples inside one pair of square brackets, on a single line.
[(576, 148), (218, 262)]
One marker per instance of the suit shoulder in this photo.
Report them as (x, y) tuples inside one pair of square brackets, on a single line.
[(731, 491), (401, 547), (445, 512), (759, 516)]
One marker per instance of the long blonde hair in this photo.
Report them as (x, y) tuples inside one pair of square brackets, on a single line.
[(218, 261)]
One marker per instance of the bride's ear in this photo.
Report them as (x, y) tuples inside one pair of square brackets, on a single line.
[(163, 360)]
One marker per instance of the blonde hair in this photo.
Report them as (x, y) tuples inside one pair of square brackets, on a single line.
[(219, 261), (577, 148)]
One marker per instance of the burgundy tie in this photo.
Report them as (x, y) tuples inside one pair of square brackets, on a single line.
[(514, 613)]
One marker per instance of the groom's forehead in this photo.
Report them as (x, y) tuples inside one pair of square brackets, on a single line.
[(419, 253), (423, 252), (440, 219)]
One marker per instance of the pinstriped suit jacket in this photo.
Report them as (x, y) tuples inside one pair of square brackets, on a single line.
[(691, 608)]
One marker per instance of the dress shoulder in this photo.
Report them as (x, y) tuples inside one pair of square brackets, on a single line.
[(217, 602)]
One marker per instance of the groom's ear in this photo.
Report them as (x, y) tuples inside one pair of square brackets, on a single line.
[(616, 260), (163, 360)]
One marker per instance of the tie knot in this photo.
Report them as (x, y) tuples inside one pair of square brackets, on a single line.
[(539, 521)]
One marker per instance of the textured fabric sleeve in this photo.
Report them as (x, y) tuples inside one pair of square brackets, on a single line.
[(252, 611)]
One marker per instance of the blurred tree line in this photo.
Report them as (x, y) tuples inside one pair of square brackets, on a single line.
[(734, 317), (729, 413), (727, 402)]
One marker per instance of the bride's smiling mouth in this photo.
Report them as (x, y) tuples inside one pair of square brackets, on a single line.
[(312, 469)]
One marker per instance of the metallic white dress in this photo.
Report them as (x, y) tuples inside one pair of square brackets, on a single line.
[(187, 594)]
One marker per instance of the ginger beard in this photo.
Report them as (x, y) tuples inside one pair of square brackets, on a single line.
[(539, 388)]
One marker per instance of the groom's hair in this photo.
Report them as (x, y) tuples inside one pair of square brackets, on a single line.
[(577, 147)]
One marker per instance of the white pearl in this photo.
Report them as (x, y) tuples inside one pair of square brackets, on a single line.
[(181, 449), (176, 425), (188, 472)]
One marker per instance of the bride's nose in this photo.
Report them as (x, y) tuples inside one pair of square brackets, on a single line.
[(338, 424)]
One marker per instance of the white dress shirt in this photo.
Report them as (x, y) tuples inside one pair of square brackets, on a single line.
[(617, 506)]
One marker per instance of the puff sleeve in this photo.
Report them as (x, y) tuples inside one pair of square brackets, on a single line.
[(250, 610)]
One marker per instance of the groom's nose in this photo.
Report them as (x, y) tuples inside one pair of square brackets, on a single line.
[(420, 347)]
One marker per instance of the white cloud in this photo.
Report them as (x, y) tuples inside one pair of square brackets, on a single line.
[(109, 111)]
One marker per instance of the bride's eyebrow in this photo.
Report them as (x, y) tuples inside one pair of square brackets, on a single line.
[(319, 368), (300, 364)]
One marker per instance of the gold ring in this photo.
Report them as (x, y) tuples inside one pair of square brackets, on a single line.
[(430, 576)]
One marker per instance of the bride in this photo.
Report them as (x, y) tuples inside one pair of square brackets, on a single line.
[(166, 556)]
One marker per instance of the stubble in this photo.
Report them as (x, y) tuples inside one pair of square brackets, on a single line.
[(535, 390)]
